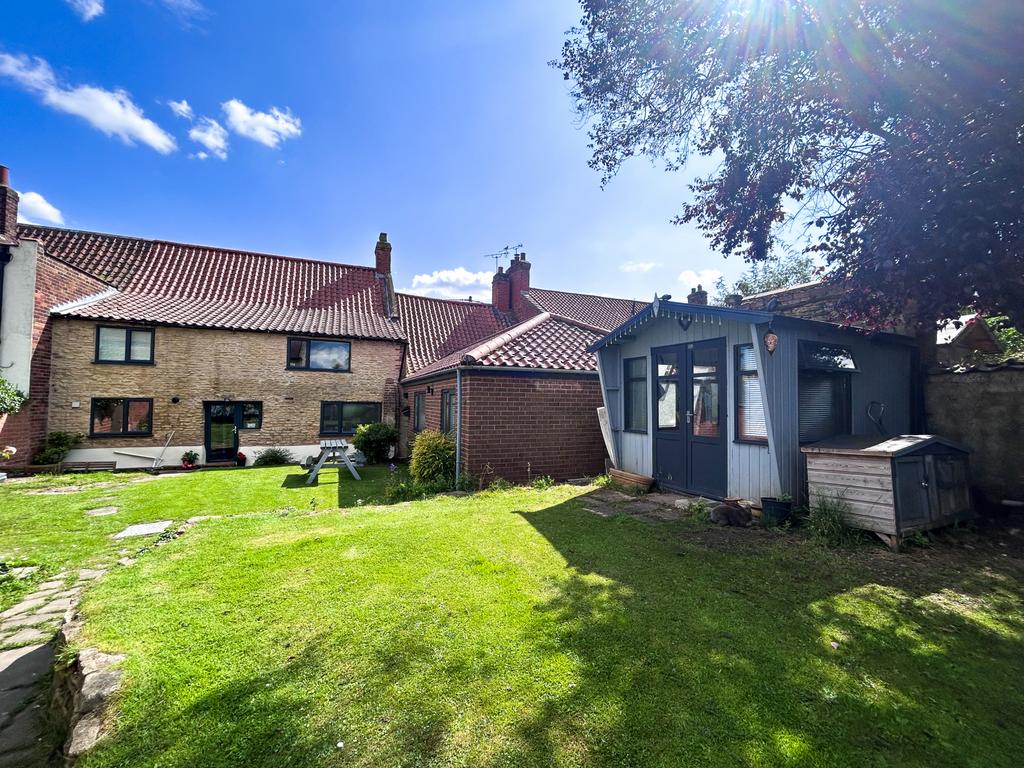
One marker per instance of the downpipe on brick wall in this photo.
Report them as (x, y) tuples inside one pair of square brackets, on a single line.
[(458, 426)]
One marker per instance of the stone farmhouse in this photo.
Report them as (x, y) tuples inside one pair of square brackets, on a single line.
[(151, 348)]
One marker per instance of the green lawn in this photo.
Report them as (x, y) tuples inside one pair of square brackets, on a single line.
[(516, 629)]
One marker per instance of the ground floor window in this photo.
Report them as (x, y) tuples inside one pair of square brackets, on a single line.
[(750, 422), (339, 418), (252, 416), (635, 394), (448, 410), (419, 412), (118, 417), (825, 406)]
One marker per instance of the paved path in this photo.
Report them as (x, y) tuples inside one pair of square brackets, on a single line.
[(25, 670)]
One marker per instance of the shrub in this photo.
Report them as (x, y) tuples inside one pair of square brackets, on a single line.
[(56, 447), (542, 483), (700, 510), (826, 520), (273, 457), (11, 398), (499, 484), (375, 441), (433, 460)]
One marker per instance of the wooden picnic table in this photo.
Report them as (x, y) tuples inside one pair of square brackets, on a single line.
[(330, 450)]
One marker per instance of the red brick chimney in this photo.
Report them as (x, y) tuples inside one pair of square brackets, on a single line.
[(697, 296), (382, 253), (501, 290), (519, 276), (8, 207)]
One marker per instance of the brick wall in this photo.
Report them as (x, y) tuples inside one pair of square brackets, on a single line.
[(433, 409), (56, 283), (545, 422), (204, 364)]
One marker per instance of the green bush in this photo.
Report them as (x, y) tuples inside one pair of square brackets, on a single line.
[(56, 447), (11, 398), (826, 520), (542, 483), (375, 441), (700, 510), (433, 460), (273, 457)]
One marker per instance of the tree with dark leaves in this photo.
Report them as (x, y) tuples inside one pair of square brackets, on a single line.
[(894, 129)]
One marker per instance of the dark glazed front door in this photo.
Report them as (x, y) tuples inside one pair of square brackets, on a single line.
[(690, 449), (222, 431)]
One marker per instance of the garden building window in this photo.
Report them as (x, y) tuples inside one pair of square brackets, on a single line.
[(121, 417), (635, 394), (338, 418), (751, 425), (825, 390)]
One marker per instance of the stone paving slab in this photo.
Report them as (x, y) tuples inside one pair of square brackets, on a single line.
[(144, 529), (101, 511)]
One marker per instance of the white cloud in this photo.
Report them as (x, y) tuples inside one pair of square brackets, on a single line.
[(200, 155), (33, 208), (269, 128), (211, 135), (455, 283), (86, 9), (112, 112), (185, 7), (638, 266), (705, 277), (181, 109)]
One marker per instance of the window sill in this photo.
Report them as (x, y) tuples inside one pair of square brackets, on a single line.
[(635, 431), (123, 362), (315, 370), (109, 435), (747, 441)]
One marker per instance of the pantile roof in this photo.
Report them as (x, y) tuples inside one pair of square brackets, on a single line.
[(202, 286), (438, 327), (599, 311), (545, 341)]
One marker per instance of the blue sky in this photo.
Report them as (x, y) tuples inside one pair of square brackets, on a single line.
[(323, 123)]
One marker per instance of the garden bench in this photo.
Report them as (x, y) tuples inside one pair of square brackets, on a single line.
[(88, 466)]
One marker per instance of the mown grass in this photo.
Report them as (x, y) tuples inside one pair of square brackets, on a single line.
[(52, 531), (515, 629)]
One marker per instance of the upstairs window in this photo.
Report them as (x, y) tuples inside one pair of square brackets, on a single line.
[(634, 380), (337, 418), (419, 411), (750, 422), (447, 411), (121, 417), (319, 355), (131, 346)]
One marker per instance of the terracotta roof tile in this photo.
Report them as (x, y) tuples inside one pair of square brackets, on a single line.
[(437, 327), (204, 286), (600, 311), (545, 341)]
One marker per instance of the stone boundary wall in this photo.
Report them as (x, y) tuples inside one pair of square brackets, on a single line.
[(983, 410)]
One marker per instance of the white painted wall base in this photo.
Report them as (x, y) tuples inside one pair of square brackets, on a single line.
[(172, 456)]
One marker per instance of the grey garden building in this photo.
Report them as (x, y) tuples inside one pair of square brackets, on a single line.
[(717, 401)]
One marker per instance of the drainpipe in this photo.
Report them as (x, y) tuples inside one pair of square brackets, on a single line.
[(458, 425), (5, 258)]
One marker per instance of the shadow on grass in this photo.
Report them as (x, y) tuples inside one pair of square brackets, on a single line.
[(689, 654), (299, 481)]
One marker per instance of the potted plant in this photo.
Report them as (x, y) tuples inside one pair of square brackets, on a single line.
[(189, 459), (240, 459), (776, 509)]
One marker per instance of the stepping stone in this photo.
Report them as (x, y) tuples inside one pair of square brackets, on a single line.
[(48, 586), (27, 635), (24, 571), (144, 529), (101, 511), (25, 606), (88, 574)]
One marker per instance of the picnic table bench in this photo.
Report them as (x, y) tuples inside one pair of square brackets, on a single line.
[(330, 451)]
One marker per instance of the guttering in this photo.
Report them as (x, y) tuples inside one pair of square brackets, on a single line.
[(680, 310), (495, 369)]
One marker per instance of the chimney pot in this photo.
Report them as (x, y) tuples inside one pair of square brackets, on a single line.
[(698, 295)]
